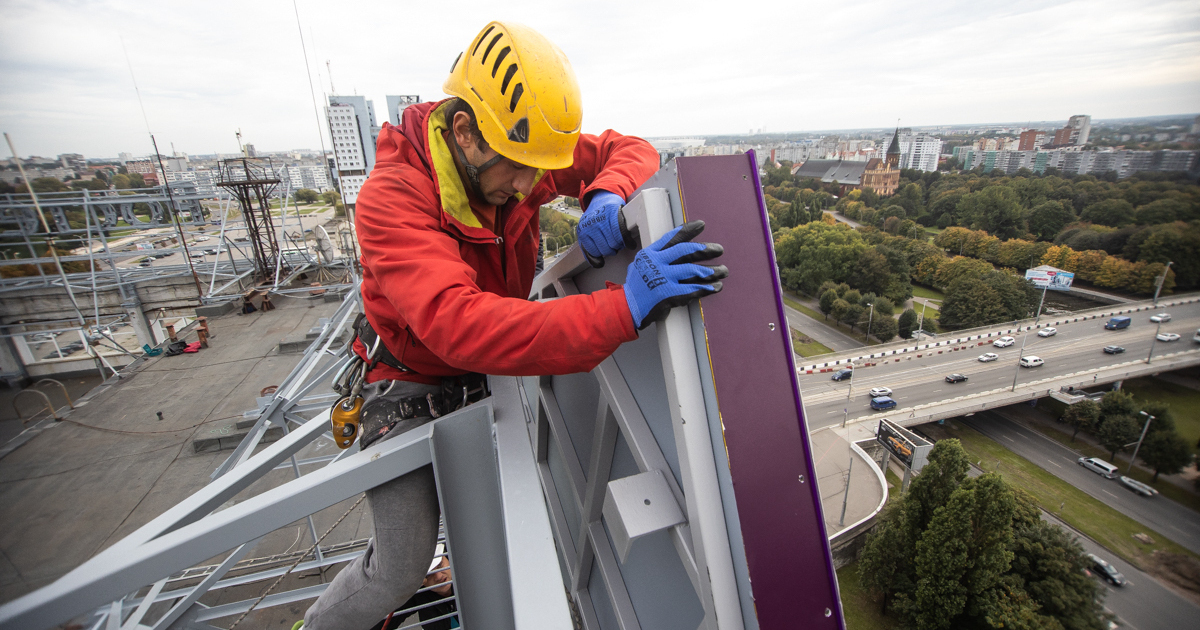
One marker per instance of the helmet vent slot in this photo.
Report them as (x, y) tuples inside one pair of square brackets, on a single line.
[(487, 51), (508, 75), (517, 92), (520, 131), (481, 38), (499, 58)]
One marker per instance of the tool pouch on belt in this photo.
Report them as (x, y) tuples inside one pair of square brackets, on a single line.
[(386, 412)]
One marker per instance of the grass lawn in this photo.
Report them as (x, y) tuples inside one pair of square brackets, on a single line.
[(925, 292), (1103, 524), (857, 335), (1166, 488), (805, 346), (1185, 404), (861, 611), (894, 483)]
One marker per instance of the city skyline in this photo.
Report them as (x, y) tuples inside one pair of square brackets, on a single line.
[(650, 72)]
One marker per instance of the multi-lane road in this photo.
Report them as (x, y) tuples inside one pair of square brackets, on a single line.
[(1077, 347), (1164, 516)]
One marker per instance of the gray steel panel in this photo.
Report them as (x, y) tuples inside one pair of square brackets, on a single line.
[(637, 506), (469, 492), (538, 598)]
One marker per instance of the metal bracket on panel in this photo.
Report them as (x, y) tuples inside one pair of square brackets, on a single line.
[(639, 505)]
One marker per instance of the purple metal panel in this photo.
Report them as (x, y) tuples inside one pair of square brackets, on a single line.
[(766, 437)]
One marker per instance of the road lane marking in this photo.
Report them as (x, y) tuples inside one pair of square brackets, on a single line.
[(1110, 494), (1052, 462), (1176, 529), (1008, 438)]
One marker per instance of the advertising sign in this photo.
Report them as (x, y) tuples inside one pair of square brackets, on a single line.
[(908, 447), (1050, 278)]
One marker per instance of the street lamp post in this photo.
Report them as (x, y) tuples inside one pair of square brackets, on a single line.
[(1157, 330), (1160, 281), (921, 320), (1149, 419), (850, 391), (870, 318), (1036, 321)]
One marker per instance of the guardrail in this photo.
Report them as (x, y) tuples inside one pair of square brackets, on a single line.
[(966, 338), (971, 403)]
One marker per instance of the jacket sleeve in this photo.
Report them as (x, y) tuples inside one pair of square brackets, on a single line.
[(609, 161), (419, 269)]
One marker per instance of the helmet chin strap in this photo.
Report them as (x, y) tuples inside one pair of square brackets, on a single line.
[(473, 172)]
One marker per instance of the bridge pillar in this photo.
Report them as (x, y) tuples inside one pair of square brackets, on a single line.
[(1117, 385)]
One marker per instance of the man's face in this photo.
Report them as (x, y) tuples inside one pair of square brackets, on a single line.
[(504, 179), (500, 181), (441, 577)]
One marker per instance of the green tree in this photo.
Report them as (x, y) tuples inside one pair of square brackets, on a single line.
[(839, 309), (89, 184), (995, 209), (1165, 452), (1117, 403), (1082, 414), (306, 195), (962, 557), (907, 323), (1048, 218), (1113, 212), (49, 185), (330, 197), (884, 327), (1050, 564), (827, 300), (1116, 432), (970, 303)]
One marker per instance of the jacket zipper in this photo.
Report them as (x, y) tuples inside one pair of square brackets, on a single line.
[(500, 242)]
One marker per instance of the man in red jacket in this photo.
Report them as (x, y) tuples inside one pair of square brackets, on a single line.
[(448, 225)]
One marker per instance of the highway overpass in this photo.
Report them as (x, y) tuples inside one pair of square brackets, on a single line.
[(1073, 357)]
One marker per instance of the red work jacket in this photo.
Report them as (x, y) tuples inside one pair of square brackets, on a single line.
[(447, 295)]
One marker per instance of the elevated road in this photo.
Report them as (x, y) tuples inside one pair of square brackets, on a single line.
[(1073, 357)]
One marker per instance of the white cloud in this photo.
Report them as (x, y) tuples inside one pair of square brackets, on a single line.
[(647, 68)]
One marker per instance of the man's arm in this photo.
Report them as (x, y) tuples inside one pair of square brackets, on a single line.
[(420, 271), (611, 162)]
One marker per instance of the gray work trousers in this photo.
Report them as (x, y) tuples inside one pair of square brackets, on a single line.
[(405, 512)]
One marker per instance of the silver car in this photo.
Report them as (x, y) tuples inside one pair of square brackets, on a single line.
[(876, 392), (1004, 342), (988, 356), (1161, 318)]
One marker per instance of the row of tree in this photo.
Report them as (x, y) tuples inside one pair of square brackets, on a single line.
[(1118, 420), (957, 552), (1095, 266)]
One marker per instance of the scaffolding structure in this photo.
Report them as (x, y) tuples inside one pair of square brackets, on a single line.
[(251, 181), (629, 497)]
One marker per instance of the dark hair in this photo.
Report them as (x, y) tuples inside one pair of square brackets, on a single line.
[(459, 105)]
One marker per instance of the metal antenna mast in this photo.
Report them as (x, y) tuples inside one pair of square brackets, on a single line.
[(251, 181)]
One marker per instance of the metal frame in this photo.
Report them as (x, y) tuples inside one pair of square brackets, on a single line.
[(701, 540)]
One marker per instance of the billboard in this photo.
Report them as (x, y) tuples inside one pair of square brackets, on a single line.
[(906, 446), (1050, 278)]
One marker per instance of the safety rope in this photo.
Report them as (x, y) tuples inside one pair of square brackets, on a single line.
[(297, 562)]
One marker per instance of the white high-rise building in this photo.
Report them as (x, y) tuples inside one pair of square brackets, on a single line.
[(919, 151), (1081, 127), (397, 104), (354, 132)]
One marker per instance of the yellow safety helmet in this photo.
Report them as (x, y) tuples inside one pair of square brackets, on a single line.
[(523, 92)]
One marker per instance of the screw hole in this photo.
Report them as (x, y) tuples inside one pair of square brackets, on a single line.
[(647, 501), (828, 613)]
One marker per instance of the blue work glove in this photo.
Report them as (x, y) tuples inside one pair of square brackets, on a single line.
[(602, 230), (662, 275)]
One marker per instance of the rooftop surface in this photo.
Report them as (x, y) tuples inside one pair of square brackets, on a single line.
[(113, 465)]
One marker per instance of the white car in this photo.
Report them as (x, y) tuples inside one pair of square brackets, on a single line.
[(1047, 332), (1167, 337), (988, 356), (1161, 318), (1031, 361), (876, 392), (1004, 342), (201, 238)]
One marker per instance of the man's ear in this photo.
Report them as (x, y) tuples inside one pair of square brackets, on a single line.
[(461, 128)]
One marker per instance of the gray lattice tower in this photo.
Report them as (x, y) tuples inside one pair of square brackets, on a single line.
[(251, 181)]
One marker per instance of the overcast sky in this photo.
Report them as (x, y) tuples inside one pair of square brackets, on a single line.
[(207, 69)]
